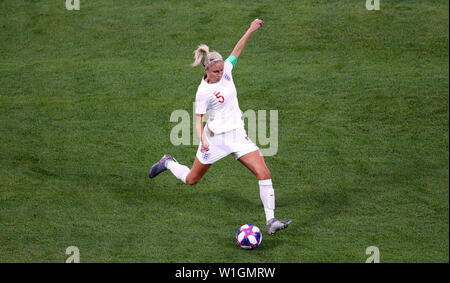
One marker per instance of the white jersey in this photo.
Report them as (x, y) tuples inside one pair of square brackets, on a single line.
[(220, 101)]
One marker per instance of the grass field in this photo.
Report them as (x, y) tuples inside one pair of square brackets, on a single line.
[(363, 130)]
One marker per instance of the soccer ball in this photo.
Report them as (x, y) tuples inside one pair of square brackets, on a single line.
[(249, 236)]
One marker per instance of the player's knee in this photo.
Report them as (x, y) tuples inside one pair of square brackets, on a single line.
[(192, 181)]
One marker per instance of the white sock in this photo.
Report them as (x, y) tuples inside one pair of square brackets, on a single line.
[(267, 195), (180, 171)]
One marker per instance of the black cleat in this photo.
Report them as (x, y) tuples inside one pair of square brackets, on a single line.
[(160, 166)]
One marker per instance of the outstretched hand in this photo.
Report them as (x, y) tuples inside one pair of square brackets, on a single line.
[(256, 24)]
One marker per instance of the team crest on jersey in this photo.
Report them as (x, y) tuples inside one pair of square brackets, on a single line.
[(227, 77), (205, 155)]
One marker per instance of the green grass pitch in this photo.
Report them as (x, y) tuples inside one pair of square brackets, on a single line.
[(363, 114)]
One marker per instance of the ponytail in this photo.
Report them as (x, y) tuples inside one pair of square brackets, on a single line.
[(210, 58)]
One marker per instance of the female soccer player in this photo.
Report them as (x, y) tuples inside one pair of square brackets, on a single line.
[(224, 132)]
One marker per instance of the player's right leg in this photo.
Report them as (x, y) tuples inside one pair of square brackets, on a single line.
[(182, 172), (196, 173), (203, 160), (160, 166)]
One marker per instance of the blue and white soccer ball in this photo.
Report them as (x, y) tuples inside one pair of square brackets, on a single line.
[(249, 236)]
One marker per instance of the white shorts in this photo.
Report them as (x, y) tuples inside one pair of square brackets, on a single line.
[(220, 145)]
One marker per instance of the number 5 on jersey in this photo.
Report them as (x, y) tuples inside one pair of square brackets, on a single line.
[(220, 97)]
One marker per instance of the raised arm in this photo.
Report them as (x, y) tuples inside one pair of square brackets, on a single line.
[(256, 24)]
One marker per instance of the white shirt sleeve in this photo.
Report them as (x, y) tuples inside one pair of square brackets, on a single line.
[(227, 68), (201, 102)]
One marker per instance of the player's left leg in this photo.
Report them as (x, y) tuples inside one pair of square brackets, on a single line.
[(254, 161)]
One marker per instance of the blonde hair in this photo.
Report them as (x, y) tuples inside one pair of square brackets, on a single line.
[(210, 58)]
